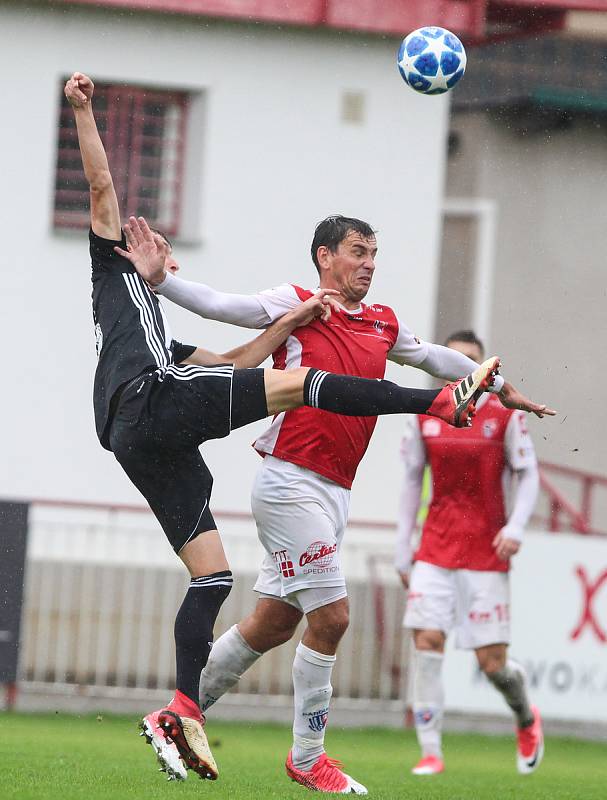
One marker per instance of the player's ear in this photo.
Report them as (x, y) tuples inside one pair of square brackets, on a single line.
[(322, 255)]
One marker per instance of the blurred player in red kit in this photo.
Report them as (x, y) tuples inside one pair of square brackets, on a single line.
[(459, 580)]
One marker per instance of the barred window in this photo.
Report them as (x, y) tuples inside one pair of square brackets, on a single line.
[(143, 131)]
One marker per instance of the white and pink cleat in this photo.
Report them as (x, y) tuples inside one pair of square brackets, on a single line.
[(429, 765), (166, 751), (530, 747), (325, 776)]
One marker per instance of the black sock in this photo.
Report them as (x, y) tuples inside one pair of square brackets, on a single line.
[(194, 628), (361, 397)]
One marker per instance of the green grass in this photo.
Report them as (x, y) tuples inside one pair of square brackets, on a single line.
[(47, 757)]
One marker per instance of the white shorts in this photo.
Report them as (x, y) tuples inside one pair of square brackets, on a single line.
[(301, 519), (476, 604)]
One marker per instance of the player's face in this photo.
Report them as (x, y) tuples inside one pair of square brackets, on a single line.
[(350, 269), (469, 349)]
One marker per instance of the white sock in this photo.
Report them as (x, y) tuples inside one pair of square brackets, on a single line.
[(230, 657), (428, 701), (312, 695)]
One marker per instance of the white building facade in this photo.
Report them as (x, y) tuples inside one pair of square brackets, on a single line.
[(284, 126)]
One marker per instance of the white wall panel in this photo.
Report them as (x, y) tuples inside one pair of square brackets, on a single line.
[(276, 158)]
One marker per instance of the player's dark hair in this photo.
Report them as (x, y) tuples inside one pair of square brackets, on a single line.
[(330, 232), (467, 336), (164, 236)]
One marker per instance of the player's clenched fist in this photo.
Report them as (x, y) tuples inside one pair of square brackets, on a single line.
[(79, 90)]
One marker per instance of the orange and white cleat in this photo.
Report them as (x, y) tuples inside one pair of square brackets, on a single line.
[(190, 740), (166, 752), (325, 776), (456, 402), (429, 765), (530, 746)]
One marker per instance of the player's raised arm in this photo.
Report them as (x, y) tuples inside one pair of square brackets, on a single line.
[(237, 309), (255, 352), (105, 214)]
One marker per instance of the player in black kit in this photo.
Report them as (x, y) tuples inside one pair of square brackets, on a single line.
[(156, 401)]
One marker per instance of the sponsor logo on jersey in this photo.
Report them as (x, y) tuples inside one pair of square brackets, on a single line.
[(285, 565), (489, 428), (356, 319), (317, 720), (376, 309), (431, 427)]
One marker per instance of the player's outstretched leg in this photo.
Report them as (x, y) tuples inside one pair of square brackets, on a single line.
[(361, 397), (511, 682)]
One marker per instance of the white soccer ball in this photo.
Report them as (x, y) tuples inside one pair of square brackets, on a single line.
[(431, 60)]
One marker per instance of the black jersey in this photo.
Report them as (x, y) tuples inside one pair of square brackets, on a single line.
[(131, 331)]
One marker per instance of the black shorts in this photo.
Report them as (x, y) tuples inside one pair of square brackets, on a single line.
[(162, 418)]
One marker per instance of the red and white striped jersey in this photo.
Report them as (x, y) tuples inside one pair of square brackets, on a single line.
[(353, 342)]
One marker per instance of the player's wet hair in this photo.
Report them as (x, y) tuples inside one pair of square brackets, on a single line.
[(164, 236), (467, 336), (330, 232)]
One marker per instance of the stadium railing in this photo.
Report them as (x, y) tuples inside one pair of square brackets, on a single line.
[(102, 587)]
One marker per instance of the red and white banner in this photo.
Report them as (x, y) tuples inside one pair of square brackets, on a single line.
[(559, 632)]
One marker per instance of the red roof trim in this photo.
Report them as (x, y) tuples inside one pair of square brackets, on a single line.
[(395, 17)]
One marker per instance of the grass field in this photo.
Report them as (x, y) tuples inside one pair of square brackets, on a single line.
[(46, 756)]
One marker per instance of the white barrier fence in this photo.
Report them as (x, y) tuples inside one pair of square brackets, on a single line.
[(103, 587), (102, 590)]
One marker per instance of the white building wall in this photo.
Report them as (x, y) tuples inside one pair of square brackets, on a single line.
[(276, 158), (548, 310)]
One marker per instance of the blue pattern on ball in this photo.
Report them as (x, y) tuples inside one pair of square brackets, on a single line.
[(419, 83), (416, 45), (449, 62), (454, 79), (426, 64), (453, 42), (431, 60)]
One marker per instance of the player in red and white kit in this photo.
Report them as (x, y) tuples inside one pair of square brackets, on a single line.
[(459, 579), (301, 494)]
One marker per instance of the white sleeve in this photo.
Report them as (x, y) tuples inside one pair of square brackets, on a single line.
[(238, 309), (407, 349), (413, 454), (519, 449), (279, 300), (521, 458), (435, 359)]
